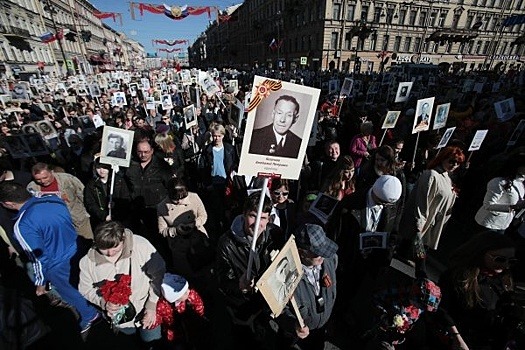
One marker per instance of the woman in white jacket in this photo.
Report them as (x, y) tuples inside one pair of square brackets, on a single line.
[(504, 197)]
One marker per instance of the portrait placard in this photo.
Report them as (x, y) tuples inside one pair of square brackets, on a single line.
[(234, 83), (403, 91), (20, 92), (133, 88), (116, 146), (323, 206), (423, 114), (119, 99), (477, 140), (208, 84), (346, 89), (391, 119), (185, 77), (145, 83), (373, 240), (278, 127), (446, 137), (150, 102), (440, 120), (505, 109), (333, 86), (278, 283), (82, 90), (194, 94), (46, 129), (190, 117), (4, 99), (166, 102), (237, 113)]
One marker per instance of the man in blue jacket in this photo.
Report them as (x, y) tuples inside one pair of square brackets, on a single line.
[(45, 232)]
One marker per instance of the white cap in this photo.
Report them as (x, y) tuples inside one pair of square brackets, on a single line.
[(173, 287), (387, 188)]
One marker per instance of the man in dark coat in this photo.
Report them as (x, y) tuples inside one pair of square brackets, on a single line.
[(277, 139)]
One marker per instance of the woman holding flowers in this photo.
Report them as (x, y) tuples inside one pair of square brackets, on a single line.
[(122, 274)]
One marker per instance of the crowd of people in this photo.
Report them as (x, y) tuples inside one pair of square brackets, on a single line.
[(158, 254)]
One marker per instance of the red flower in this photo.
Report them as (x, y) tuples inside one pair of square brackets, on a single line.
[(117, 291)]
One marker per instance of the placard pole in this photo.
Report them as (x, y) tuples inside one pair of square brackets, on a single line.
[(256, 230), (415, 151), (382, 138), (114, 169), (297, 313)]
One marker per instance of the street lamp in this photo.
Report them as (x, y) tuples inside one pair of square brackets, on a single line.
[(52, 11)]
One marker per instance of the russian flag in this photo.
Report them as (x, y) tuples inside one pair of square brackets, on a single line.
[(47, 37)]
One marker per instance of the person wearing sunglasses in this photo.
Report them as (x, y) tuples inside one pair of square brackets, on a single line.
[(430, 203), (284, 209), (504, 198), (474, 288)]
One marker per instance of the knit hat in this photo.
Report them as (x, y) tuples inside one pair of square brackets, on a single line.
[(387, 188), (313, 238), (174, 287)]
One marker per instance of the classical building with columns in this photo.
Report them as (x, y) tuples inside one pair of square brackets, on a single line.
[(365, 35), (88, 45)]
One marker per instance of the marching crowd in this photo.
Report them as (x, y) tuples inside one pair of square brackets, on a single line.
[(155, 255)]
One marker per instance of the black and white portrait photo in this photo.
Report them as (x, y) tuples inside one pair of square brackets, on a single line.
[(403, 91), (477, 140), (505, 109), (423, 114), (47, 130), (391, 119), (446, 137), (279, 127), (20, 92), (166, 102), (346, 89), (440, 120), (190, 117), (119, 99), (279, 281), (116, 146)]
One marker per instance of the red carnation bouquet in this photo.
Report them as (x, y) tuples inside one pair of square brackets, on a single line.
[(118, 292)]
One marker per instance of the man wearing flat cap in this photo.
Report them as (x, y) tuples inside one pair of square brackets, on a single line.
[(316, 292)]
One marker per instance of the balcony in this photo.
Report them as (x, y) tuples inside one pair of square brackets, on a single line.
[(18, 31)]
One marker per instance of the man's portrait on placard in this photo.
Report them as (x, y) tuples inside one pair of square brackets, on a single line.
[(47, 130), (30, 128), (403, 91), (20, 92), (346, 89), (423, 114), (446, 137), (116, 146), (166, 102), (279, 125), (190, 117), (391, 119), (440, 120)]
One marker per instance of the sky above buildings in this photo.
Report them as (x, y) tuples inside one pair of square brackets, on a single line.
[(151, 26)]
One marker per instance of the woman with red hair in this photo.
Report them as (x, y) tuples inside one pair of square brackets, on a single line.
[(430, 203)]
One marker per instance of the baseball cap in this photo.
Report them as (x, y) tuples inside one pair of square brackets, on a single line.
[(312, 237)]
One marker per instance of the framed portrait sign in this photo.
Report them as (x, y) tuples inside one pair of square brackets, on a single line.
[(150, 102), (4, 99), (46, 129), (190, 116), (280, 117), (323, 206), (236, 113), (145, 83), (403, 91), (446, 137), (346, 89), (234, 83), (20, 92), (133, 88), (119, 99), (82, 90), (116, 146), (391, 119), (166, 102), (440, 119), (278, 283), (195, 96), (423, 114), (208, 84), (30, 128), (516, 133), (505, 109), (185, 77), (373, 240), (477, 140)]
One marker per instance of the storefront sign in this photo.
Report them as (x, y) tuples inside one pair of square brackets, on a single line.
[(506, 57), (413, 59)]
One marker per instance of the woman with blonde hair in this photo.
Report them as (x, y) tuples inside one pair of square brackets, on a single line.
[(171, 153)]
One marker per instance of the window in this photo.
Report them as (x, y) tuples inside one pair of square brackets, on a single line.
[(449, 47), (417, 44), (486, 47), (468, 23), (377, 14), (433, 17), (478, 48), (412, 19), (397, 43), (348, 41), (471, 46), (386, 39), (435, 47), (442, 17), (462, 47), (408, 42), (350, 13), (455, 21), (423, 18), (333, 40), (503, 48), (364, 12), (360, 44), (336, 11), (402, 16), (373, 42)]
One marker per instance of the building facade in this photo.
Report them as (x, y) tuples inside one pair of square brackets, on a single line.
[(87, 45), (366, 35)]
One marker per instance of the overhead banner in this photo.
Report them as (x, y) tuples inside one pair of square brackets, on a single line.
[(169, 42), (105, 15), (173, 12)]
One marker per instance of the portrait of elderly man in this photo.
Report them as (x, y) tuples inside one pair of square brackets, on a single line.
[(277, 139), (115, 146)]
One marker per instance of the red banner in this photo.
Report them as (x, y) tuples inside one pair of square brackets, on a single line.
[(174, 12), (169, 50), (106, 15), (168, 42)]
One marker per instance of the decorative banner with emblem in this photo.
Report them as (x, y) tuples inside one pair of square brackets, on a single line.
[(280, 117)]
